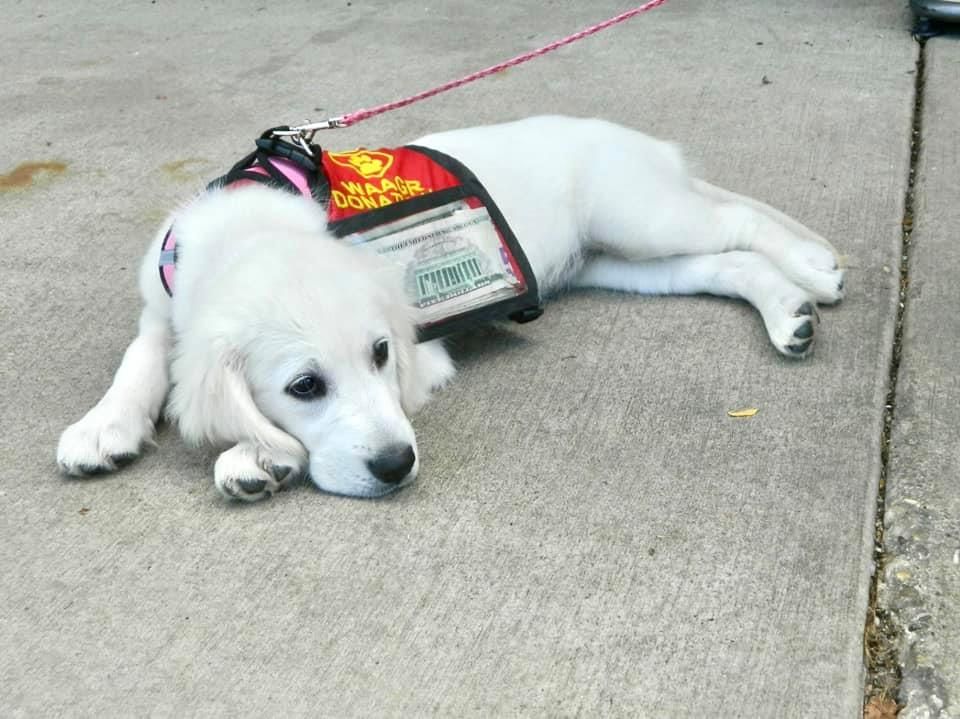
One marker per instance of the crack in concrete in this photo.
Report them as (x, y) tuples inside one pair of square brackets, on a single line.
[(882, 632)]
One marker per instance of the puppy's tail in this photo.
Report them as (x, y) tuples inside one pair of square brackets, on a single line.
[(718, 194)]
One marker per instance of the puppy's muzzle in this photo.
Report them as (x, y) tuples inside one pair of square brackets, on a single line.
[(393, 464)]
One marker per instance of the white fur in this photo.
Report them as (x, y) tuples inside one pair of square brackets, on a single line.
[(263, 295)]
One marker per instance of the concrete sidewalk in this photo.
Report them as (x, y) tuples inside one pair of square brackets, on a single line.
[(591, 534), (921, 587)]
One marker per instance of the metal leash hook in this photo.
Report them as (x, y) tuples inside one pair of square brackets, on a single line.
[(302, 135)]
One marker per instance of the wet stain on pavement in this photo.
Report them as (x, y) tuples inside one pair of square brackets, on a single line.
[(188, 170), (23, 174)]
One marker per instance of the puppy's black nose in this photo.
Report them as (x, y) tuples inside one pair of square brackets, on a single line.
[(392, 464)]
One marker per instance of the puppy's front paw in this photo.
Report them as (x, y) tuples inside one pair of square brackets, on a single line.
[(815, 269), (106, 439), (249, 472)]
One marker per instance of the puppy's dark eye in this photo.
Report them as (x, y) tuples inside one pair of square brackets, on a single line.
[(307, 386), (381, 352)]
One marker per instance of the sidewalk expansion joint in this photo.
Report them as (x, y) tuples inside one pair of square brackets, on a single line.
[(881, 638)]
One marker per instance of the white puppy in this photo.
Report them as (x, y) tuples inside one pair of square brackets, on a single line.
[(297, 352)]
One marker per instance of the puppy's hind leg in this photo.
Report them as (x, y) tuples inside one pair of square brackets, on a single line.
[(787, 310), (112, 434), (805, 257), (674, 214)]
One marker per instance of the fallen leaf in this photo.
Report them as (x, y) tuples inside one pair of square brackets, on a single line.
[(745, 412), (880, 708)]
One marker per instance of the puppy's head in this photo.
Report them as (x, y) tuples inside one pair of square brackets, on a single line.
[(291, 334)]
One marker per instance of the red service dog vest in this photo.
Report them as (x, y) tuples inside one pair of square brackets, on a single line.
[(417, 207)]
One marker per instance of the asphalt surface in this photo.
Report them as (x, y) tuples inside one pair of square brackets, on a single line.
[(591, 534)]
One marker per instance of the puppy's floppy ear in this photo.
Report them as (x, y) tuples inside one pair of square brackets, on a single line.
[(211, 401)]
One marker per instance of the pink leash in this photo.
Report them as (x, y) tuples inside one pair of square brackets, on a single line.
[(303, 134)]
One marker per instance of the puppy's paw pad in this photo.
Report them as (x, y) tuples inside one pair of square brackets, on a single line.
[(793, 331), (248, 489), (799, 349), (804, 331), (87, 470), (281, 472), (123, 459), (102, 442), (250, 473), (805, 309), (252, 486)]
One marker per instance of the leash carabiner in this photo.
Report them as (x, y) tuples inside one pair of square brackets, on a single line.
[(302, 135)]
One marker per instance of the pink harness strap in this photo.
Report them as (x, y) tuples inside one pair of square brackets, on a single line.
[(168, 248)]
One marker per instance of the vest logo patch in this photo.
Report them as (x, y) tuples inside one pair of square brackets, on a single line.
[(362, 180), (368, 164)]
